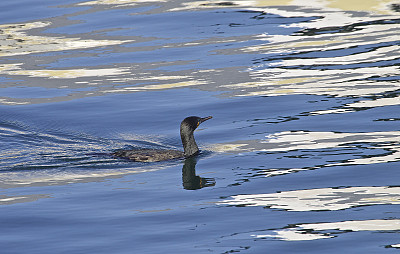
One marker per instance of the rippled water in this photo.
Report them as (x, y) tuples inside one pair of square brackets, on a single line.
[(301, 155)]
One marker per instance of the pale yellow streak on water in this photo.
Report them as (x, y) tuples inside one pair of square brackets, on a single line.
[(117, 2), (265, 3), (375, 6), (65, 74), (379, 6), (157, 87), (225, 147), (15, 40)]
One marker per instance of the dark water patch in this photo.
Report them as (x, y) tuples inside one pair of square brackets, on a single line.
[(350, 66), (395, 7), (338, 52), (347, 28), (387, 119)]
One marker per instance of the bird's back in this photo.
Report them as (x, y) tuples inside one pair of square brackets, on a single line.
[(149, 155)]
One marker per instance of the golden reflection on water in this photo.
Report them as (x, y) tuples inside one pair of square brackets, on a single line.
[(379, 6), (374, 6)]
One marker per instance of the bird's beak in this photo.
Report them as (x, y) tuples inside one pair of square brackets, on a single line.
[(205, 119)]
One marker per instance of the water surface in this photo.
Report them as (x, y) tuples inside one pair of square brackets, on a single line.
[(300, 156)]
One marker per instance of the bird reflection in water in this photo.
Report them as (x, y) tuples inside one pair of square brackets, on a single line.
[(190, 180)]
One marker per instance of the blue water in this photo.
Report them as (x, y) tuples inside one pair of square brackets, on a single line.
[(301, 156)]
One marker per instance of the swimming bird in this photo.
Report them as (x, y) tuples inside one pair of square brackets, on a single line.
[(188, 125)]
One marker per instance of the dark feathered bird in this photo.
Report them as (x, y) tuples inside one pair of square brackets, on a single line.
[(188, 125)]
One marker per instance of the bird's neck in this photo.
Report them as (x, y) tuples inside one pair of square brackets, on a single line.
[(189, 144)]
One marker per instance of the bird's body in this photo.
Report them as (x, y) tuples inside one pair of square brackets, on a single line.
[(149, 155), (188, 125)]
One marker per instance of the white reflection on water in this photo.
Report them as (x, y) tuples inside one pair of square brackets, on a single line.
[(301, 232), (380, 54), (9, 200), (16, 69), (52, 176), (156, 87), (281, 65), (388, 142), (298, 75), (351, 107), (17, 42), (303, 140), (289, 141), (325, 199), (339, 75)]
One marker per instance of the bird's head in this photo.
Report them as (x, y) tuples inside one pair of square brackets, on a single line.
[(192, 122)]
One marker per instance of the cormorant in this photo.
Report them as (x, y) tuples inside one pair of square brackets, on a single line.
[(188, 125)]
